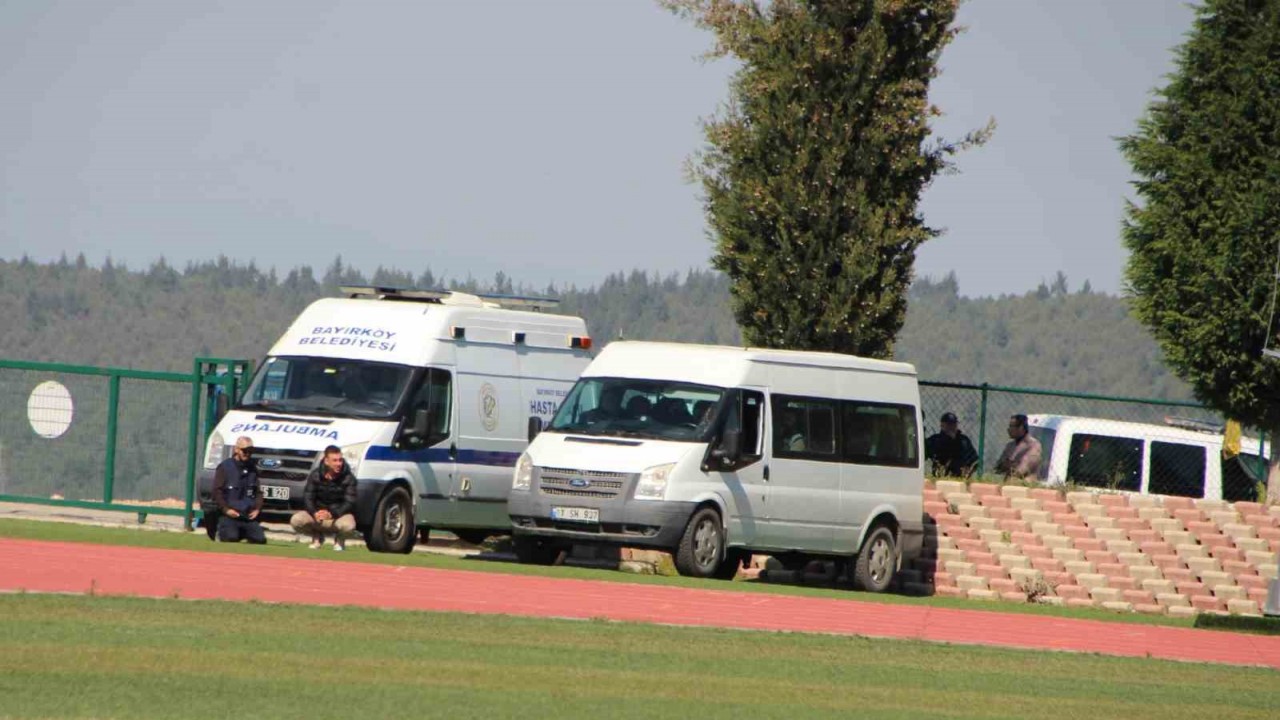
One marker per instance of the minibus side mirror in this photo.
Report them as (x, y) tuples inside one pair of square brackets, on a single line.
[(535, 427), (221, 404), (730, 448)]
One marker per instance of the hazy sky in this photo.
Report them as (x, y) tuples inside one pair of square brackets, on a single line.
[(544, 139)]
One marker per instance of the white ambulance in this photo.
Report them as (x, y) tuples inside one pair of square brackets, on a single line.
[(712, 453), (429, 394)]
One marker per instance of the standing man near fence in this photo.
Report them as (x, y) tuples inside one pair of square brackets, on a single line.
[(950, 451), (1021, 457), (238, 496), (330, 498)]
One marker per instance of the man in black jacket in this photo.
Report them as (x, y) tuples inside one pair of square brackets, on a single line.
[(950, 450), (238, 496), (330, 498)]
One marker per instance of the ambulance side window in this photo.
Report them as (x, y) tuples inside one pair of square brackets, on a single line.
[(435, 395)]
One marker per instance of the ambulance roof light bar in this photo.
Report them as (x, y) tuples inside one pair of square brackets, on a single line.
[(383, 292)]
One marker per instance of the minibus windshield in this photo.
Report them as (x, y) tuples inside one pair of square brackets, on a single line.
[(648, 409), (330, 386)]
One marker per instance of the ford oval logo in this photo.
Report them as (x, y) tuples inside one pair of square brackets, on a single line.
[(580, 482), (269, 463)]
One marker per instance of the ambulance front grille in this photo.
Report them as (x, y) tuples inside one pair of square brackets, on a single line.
[(284, 464)]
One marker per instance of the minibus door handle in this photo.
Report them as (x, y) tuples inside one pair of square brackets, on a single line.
[(766, 473), (453, 451)]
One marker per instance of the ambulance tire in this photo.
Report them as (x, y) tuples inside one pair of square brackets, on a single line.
[(393, 528)]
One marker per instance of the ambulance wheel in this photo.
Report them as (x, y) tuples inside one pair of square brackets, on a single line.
[(393, 528), (701, 549), (874, 568), (471, 536), (534, 551)]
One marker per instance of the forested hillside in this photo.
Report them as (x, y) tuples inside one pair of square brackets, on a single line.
[(161, 317)]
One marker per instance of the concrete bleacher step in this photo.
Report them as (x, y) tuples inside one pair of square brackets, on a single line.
[(1092, 549)]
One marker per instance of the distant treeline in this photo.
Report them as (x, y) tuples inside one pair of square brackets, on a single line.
[(161, 317)]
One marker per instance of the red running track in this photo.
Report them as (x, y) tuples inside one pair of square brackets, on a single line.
[(115, 570)]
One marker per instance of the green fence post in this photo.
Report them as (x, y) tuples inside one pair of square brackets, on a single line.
[(109, 468), (982, 431), (193, 435)]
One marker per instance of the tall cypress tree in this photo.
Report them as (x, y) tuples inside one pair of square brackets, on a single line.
[(814, 169), (1203, 241)]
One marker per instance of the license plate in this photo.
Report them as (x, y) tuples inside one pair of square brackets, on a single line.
[(275, 492), (575, 514)]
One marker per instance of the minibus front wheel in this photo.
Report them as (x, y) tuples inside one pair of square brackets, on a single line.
[(873, 569), (701, 550)]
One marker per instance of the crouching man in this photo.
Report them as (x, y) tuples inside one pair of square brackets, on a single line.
[(330, 499), (238, 496)]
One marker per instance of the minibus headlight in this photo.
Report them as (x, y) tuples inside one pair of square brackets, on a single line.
[(653, 482), (353, 454), (522, 479), (216, 447)]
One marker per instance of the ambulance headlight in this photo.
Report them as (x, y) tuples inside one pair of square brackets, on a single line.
[(217, 445), (353, 454), (653, 482), (522, 479)]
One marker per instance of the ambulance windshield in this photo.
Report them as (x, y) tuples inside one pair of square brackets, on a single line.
[(329, 386)]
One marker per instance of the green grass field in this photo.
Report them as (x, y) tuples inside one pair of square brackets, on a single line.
[(70, 532), (80, 656)]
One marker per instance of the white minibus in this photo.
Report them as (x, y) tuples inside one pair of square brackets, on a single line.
[(713, 453)]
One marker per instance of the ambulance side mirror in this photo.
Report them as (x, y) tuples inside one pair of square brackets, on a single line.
[(420, 425), (535, 427), (221, 404)]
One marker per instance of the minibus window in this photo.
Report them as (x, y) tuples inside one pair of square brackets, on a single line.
[(1105, 461), (1177, 469), (804, 428), (879, 434), (752, 417), (744, 413), (1240, 477)]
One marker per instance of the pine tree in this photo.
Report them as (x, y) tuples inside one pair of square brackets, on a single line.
[(1203, 241), (813, 172)]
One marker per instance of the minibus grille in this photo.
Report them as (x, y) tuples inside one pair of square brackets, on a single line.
[(581, 483), (282, 464)]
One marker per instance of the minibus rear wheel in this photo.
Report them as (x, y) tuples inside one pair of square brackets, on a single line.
[(873, 569), (701, 549)]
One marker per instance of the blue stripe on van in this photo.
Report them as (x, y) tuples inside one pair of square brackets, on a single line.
[(441, 455)]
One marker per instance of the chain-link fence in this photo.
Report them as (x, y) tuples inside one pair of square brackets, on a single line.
[(124, 438), (1132, 444), (107, 438)]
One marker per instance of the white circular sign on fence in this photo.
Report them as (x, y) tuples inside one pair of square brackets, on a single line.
[(49, 409)]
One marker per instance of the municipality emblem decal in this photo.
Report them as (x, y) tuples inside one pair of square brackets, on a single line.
[(488, 407)]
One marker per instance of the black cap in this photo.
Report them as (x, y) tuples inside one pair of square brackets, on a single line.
[(949, 417)]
